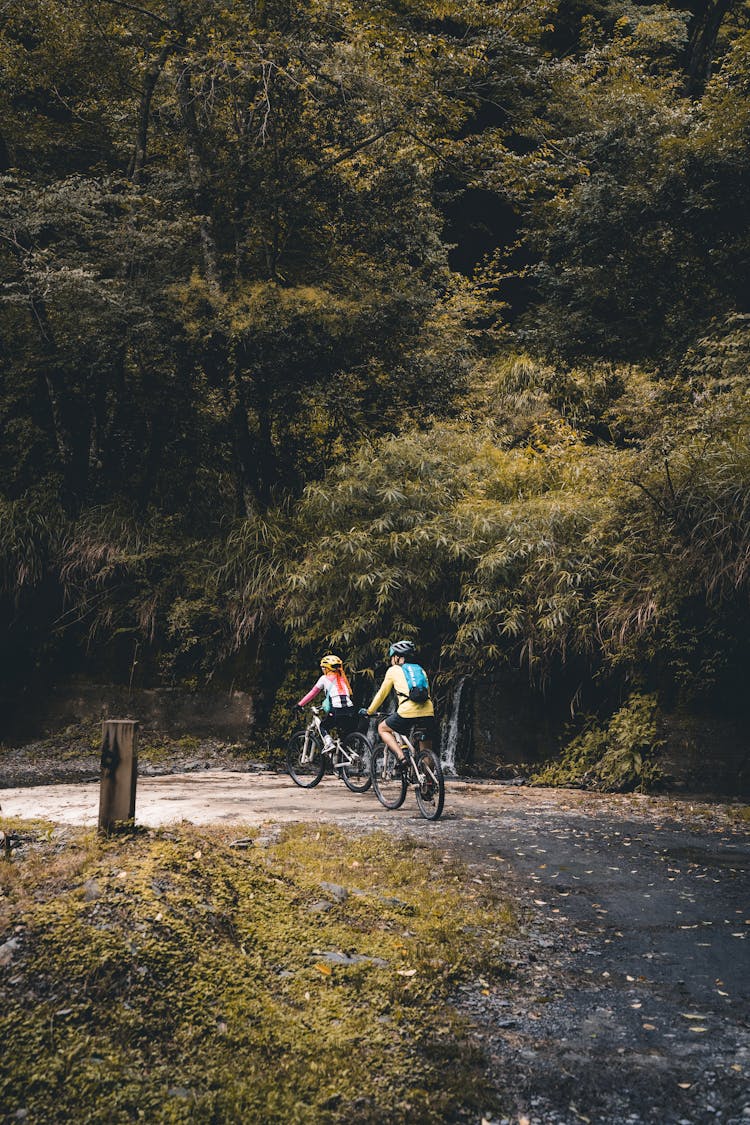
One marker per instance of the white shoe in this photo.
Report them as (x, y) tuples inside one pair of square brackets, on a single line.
[(328, 743)]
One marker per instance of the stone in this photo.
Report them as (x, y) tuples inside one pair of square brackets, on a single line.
[(90, 890), (8, 951), (338, 892)]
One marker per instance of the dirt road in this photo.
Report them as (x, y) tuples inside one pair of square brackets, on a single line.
[(627, 992)]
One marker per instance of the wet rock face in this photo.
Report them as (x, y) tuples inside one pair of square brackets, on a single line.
[(511, 725), (705, 753), (500, 726), (219, 714)]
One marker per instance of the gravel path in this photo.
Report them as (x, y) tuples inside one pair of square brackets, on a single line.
[(626, 999)]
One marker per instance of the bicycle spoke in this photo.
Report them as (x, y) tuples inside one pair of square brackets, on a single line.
[(304, 759), (388, 780), (355, 762), (430, 790)]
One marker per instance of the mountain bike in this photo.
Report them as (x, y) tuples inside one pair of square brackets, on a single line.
[(422, 769), (307, 757)]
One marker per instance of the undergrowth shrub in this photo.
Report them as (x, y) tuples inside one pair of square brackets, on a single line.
[(618, 756)]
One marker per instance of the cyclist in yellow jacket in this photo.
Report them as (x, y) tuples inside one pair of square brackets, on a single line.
[(408, 711)]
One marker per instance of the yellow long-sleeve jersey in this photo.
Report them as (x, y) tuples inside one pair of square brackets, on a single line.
[(395, 680)]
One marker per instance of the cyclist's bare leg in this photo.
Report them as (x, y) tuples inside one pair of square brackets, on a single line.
[(389, 738)]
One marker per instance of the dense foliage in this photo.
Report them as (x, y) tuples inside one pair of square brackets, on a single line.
[(323, 321)]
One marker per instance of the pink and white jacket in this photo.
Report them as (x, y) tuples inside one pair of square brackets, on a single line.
[(337, 691)]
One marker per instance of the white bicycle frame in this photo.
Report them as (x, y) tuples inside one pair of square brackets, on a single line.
[(406, 744), (309, 748)]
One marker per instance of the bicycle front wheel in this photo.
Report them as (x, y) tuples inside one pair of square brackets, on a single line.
[(304, 759), (356, 771), (388, 781), (430, 793)]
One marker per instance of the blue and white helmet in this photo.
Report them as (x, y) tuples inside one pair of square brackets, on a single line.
[(402, 648)]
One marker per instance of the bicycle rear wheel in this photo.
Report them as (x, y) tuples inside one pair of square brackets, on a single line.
[(430, 793), (388, 781), (356, 772), (304, 759)]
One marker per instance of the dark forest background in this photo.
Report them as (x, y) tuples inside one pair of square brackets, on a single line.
[(325, 322)]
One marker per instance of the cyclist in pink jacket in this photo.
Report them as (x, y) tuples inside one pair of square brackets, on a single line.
[(338, 703)]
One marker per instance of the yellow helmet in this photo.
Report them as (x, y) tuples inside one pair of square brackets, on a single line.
[(330, 662)]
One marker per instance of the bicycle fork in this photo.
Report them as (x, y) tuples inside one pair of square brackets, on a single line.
[(308, 749)]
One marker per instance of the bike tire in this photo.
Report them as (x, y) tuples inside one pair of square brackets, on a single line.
[(431, 797), (356, 775), (305, 774), (388, 783)]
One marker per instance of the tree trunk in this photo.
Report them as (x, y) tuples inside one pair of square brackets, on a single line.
[(198, 178), (56, 394), (702, 45), (244, 449), (153, 73)]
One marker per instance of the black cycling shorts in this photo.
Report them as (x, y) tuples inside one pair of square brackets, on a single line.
[(403, 725)]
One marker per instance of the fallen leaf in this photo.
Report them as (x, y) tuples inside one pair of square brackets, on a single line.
[(406, 972), (326, 970), (198, 854), (691, 1016), (635, 1005), (698, 1029), (649, 1027), (684, 1085)]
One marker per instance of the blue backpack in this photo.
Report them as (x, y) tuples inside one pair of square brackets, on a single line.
[(416, 682)]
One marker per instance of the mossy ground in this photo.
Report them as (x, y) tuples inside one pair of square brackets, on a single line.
[(168, 976)]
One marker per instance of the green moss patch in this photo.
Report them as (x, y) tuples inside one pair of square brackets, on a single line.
[(171, 976)]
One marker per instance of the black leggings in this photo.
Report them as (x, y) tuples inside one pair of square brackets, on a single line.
[(344, 721)]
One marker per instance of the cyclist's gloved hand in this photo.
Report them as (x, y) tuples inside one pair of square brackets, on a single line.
[(297, 708), (364, 712)]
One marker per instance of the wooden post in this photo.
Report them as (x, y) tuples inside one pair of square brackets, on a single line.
[(119, 772)]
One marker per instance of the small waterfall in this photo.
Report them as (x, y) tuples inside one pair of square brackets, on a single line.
[(450, 731)]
